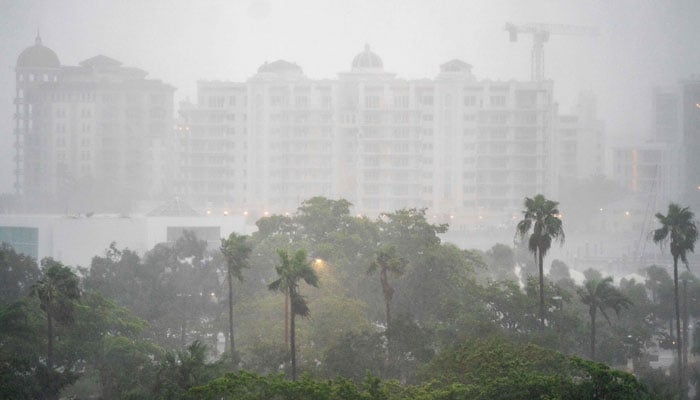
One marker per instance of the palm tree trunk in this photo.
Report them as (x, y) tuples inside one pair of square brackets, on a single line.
[(540, 264), (183, 329), (292, 342), (286, 322), (387, 295), (685, 333), (387, 305), (230, 320), (49, 333), (592, 312), (679, 338)]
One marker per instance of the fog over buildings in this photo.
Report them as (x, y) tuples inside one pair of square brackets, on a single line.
[(251, 107)]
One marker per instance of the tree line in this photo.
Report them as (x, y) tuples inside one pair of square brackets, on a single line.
[(387, 310)]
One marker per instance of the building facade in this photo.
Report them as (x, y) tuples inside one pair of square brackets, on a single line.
[(690, 106), (580, 143), (462, 147), (97, 130)]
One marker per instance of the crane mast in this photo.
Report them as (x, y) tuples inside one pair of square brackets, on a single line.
[(540, 35)]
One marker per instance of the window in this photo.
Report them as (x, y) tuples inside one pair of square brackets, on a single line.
[(348, 118), (401, 101), (326, 102), (499, 119), (426, 100), (302, 102), (133, 98), (373, 119), (470, 101), (277, 101), (402, 133), (372, 101), (157, 98), (157, 113), (498, 101), (527, 119), (526, 99), (216, 102), (401, 118)]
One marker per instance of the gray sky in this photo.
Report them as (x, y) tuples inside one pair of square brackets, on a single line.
[(642, 43)]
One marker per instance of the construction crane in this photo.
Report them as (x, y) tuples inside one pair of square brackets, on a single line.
[(540, 35)]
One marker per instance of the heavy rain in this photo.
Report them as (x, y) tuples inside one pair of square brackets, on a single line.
[(322, 199)]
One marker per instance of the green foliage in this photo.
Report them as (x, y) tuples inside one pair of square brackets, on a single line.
[(501, 262), (497, 368), (387, 262), (127, 367), (409, 231), (179, 371), (17, 273), (559, 271), (174, 288), (236, 251), (354, 355), (22, 350), (600, 295), (409, 345), (290, 271), (542, 215), (137, 314), (493, 369), (678, 229)]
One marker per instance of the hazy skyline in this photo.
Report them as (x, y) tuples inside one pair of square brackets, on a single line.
[(642, 44)]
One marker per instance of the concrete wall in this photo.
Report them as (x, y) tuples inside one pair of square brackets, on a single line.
[(75, 240)]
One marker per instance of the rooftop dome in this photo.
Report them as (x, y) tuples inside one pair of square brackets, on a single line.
[(38, 56), (367, 61), (456, 66), (280, 67)]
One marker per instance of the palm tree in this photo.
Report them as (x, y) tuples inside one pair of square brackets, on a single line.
[(236, 252), (600, 294), (387, 261), (543, 216), (677, 228), (290, 271), (56, 291)]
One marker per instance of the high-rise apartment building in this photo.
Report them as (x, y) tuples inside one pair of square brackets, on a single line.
[(465, 148), (647, 171), (690, 106), (665, 115), (580, 143), (98, 127)]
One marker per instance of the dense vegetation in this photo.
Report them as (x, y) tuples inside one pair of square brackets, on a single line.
[(398, 314)]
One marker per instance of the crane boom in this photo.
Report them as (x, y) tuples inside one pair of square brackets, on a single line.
[(540, 35)]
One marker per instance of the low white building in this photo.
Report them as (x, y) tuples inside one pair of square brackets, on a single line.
[(75, 239)]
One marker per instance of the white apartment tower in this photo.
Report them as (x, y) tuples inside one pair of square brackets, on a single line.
[(462, 147), (95, 131)]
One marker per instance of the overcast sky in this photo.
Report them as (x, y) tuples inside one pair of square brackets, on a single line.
[(642, 44)]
